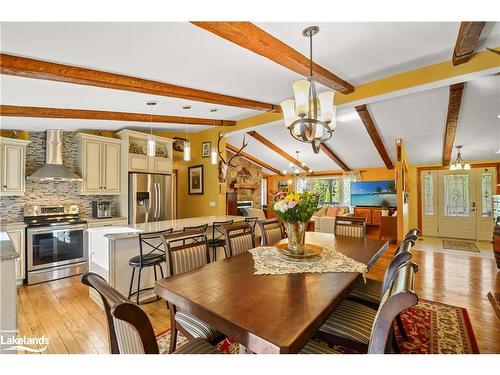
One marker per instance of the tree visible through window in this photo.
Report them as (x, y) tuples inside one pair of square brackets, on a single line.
[(332, 191)]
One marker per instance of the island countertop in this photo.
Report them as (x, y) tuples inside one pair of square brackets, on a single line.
[(177, 224), (7, 249)]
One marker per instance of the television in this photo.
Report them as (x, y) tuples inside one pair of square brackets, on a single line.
[(373, 193)]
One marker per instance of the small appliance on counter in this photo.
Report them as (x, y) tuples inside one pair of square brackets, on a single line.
[(101, 209)]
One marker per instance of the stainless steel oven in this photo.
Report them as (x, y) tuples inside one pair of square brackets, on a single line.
[(55, 245)]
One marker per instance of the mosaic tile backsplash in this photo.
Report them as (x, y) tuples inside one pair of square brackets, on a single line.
[(50, 192)]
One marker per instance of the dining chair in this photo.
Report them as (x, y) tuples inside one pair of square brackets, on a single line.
[(151, 254), (191, 254), (272, 231), (350, 226), (412, 235), (239, 237), (128, 326), (365, 329), (370, 292), (218, 239)]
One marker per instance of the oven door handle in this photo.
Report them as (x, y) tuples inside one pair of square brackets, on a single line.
[(62, 228)]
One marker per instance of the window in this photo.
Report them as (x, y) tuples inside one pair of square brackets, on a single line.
[(263, 192), (486, 195), (428, 195), (332, 191), (456, 195)]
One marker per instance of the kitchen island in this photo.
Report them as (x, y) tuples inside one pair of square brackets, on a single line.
[(110, 249)]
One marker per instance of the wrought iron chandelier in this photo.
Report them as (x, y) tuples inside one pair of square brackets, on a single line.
[(310, 117), (459, 163)]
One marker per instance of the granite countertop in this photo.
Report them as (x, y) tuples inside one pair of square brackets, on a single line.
[(7, 249), (7, 225), (158, 226)]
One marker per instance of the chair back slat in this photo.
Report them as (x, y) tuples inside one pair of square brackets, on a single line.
[(398, 297), (401, 256), (272, 231), (191, 254), (239, 237), (129, 328), (350, 226)]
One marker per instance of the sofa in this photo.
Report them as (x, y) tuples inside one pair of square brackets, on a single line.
[(324, 218)]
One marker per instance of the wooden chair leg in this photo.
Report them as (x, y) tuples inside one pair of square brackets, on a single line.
[(173, 328), (401, 328), (131, 283)]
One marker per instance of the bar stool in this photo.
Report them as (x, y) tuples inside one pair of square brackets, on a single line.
[(196, 228), (218, 239), (155, 257)]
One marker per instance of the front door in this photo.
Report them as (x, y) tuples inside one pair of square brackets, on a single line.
[(457, 204)]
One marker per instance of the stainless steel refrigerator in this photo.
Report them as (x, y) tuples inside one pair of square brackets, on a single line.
[(150, 197)]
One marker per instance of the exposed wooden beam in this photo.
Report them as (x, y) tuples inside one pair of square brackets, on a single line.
[(253, 38), (332, 155), (278, 150), (374, 134), (454, 102), (85, 114), (468, 36), (253, 159), (38, 69)]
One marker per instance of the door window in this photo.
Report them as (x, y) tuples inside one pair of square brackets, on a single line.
[(456, 195), (428, 195), (486, 194)]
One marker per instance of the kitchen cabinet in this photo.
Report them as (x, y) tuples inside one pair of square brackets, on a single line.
[(12, 161), (100, 166), (111, 222), (17, 238)]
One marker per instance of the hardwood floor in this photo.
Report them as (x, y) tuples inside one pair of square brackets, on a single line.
[(62, 310)]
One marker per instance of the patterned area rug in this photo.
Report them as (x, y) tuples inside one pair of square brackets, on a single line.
[(460, 245), (432, 328), (494, 298)]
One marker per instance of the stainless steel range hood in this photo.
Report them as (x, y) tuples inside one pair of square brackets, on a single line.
[(53, 170)]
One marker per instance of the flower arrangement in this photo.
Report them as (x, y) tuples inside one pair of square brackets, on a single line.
[(295, 207)]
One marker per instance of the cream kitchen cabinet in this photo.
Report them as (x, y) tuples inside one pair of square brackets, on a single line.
[(17, 238), (12, 161), (100, 165)]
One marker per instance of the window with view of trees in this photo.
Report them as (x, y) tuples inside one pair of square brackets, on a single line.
[(332, 190)]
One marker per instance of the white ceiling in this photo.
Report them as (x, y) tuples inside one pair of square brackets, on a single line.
[(183, 54)]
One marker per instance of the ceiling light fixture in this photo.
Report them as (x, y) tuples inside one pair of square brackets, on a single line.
[(213, 109), (459, 163), (186, 107), (186, 155), (151, 142), (310, 117)]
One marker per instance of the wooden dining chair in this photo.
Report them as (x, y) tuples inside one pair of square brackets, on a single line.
[(187, 251), (272, 231), (350, 226), (239, 237), (129, 328), (412, 235), (358, 326)]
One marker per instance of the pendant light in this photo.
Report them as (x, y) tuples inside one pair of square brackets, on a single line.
[(151, 142), (459, 163), (187, 146), (213, 156), (310, 117)]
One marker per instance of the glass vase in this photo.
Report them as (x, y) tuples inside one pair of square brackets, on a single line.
[(296, 236)]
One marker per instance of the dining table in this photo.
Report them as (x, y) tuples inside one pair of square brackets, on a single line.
[(268, 313)]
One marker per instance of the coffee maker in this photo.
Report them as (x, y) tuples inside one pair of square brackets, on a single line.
[(101, 209)]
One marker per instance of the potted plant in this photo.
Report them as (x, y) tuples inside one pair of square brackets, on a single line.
[(385, 207), (295, 210)]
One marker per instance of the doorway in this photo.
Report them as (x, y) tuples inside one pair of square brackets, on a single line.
[(458, 204)]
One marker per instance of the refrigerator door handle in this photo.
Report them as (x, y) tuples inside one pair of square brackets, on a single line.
[(157, 200)]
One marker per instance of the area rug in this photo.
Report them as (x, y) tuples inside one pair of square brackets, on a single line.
[(494, 298), (460, 245), (432, 328)]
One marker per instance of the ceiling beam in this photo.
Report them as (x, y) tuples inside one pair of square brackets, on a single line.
[(332, 155), (454, 103), (85, 114), (467, 39), (253, 159), (38, 69), (253, 38), (278, 150), (374, 134)]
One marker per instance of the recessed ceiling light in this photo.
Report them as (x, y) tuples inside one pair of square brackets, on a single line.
[(152, 102), (497, 151), (186, 107), (498, 116), (213, 109)]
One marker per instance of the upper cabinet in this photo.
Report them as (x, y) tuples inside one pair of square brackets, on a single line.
[(99, 164), (12, 161)]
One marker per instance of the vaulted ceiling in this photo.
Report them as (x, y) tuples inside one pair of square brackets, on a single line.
[(187, 55)]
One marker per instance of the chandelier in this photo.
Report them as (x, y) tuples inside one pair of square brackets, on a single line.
[(310, 117), (459, 164)]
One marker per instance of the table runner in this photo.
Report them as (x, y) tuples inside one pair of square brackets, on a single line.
[(269, 261)]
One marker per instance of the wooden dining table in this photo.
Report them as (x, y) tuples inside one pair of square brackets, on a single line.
[(268, 313)]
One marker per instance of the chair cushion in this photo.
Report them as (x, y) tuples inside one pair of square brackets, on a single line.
[(273, 235), (352, 321), (367, 292), (189, 258), (196, 327), (147, 260), (314, 347), (332, 211), (242, 243), (197, 346), (349, 230)]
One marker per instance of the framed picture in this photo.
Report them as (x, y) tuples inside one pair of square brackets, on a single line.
[(195, 182), (205, 149)]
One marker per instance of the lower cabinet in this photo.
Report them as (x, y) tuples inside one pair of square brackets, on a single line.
[(372, 214), (99, 223), (17, 238)]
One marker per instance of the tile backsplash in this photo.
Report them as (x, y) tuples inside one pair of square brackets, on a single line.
[(49, 192)]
